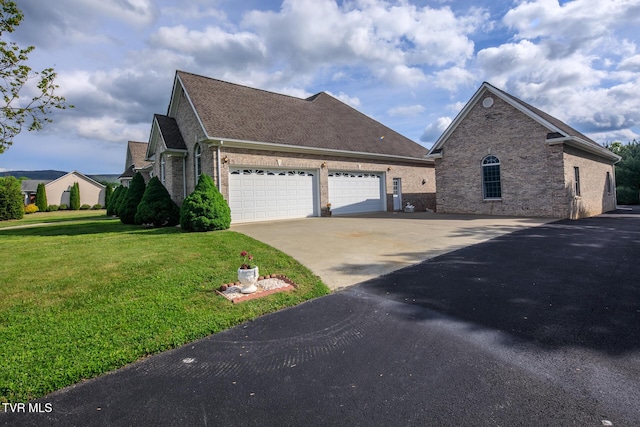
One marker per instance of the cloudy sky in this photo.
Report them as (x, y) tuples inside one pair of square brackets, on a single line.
[(410, 64)]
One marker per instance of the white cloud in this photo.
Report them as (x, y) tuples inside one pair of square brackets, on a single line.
[(393, 40), (211, 46), (352, 101), (433, 131), (453, 78), (409, 110)]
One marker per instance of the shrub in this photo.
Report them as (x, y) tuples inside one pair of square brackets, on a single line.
[(120, 202), (41, 197), (205, 209), (85, 207), (129, 205), (74, 197), (156, 206), (96, 207), (113, 201), (63, 207), (32, 208), (52, 208), (11, 199), (108, 192)]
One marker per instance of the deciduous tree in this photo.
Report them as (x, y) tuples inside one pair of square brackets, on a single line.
[(26, 96)]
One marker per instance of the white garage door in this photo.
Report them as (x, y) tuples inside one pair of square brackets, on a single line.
[(262, 194), (351, 192)]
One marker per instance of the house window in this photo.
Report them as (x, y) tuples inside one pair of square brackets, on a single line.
[(491, 178), (576, 175), (609, 186), (162, 168), (198, 162)]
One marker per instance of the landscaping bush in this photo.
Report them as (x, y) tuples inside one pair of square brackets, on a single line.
[(156, 206), (32, 208), (205, 209), (63, 207), (129, 205), (120, 201), (85, 207), (96, 207), (108, 192), (11, 199), (52, 208), (74, 197), (113, 201), (41, 197)]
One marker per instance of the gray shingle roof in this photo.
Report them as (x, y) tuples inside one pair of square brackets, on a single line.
[(138, 152), (231, 111), (31, 185), (170, 132)]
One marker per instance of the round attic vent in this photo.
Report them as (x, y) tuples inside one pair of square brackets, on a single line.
[(487, 102)]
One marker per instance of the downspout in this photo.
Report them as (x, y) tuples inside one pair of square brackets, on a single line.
[(184, 177), (219, 165)]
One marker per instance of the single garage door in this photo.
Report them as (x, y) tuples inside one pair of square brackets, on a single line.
[(262, 194), (351, 192)]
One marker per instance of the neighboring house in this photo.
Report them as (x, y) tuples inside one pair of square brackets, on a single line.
[(501, 156), (91, 192), (135, 162), (275, 156)]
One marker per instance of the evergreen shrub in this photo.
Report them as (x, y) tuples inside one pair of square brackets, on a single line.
[(156, 206), (129, 206), (41, 197), (205, 209), (11, 199)]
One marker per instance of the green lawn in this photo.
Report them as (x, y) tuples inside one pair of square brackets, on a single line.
[(88, 294)]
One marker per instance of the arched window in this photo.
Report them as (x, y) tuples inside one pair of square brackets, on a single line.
[(491, 187), (197, 167)]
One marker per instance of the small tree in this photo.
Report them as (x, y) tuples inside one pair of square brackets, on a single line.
[(74, 197), (129, 205), (205, 209), (18, 111), (120, 202), (41, 198), (112, 205), (11, 199), (156, 206), (108, 192)]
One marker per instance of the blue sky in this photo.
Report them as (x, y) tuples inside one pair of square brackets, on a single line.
[(411, 65)]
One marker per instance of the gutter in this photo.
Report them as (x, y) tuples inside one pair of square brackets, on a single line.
[(585, 146), (271, 146)]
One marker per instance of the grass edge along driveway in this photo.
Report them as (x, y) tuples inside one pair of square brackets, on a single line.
[(82, 298)]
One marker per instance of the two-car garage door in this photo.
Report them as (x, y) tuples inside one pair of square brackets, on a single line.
[(263, 194)]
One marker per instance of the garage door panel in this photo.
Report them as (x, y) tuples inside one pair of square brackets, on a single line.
[(271, 194), (355, 192)]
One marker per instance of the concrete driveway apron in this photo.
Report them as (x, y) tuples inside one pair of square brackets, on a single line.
[(346, 250)]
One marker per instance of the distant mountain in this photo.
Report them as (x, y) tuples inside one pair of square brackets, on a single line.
[(40, 175), (50, 175)]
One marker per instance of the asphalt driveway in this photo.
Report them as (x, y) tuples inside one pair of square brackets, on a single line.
[(537, 327), (345, 250)]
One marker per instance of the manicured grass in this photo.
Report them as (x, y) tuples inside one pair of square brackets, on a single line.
[(54, 217), (82, 298)]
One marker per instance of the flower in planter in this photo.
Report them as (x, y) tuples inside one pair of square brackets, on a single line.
[(247, 258)]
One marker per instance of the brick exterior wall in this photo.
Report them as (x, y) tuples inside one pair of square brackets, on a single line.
[(534, 174), (418, 179), (419, 194), (596, 196)]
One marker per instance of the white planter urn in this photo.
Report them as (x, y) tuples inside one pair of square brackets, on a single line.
[(248, 278)]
